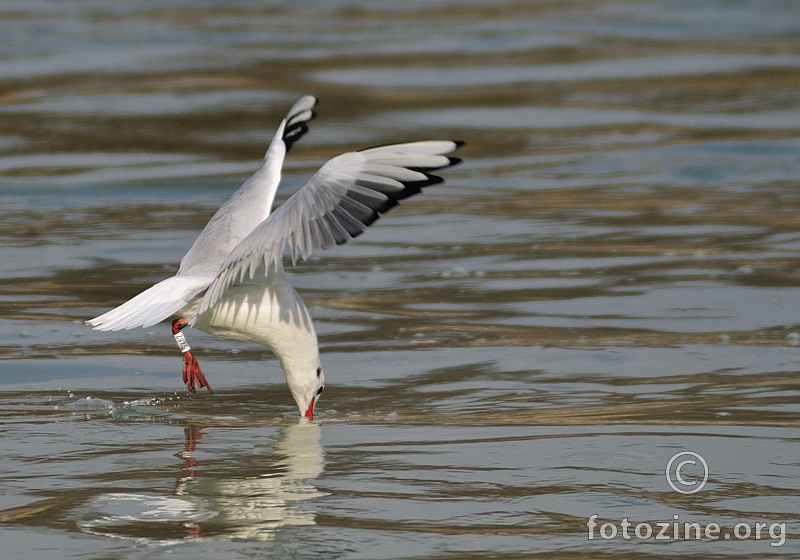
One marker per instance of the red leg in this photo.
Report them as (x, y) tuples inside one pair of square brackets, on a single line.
[(192, 374)]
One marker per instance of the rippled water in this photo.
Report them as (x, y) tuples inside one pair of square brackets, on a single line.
[(610, 278)]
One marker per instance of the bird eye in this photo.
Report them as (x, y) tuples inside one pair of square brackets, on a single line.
[(319, 391)]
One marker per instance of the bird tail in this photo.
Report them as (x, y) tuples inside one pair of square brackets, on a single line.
[(152, 305)]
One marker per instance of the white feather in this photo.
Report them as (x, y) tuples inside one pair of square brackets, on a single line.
[(232, 281), (344, 197), (154, 304), (240, 214)]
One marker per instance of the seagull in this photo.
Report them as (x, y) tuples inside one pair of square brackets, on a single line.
[(232, 282)]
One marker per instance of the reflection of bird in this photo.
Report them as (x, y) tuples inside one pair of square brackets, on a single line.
[(193, 436), (254, 507), (252, 502), (231, 283)]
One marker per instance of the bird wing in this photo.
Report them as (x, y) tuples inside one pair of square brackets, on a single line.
[(240, 214), (252, 202), (345, 196)]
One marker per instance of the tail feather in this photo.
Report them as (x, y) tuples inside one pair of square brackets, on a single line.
[(153, 305)]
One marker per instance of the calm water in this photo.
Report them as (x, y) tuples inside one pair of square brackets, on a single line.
[(610, 278)]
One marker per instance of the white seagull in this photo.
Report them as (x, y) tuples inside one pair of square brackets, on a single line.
[(232, 284)]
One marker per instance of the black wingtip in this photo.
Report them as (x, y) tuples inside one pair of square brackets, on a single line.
[(296, 125), (296, 131)]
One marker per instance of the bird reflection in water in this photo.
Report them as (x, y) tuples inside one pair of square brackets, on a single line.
[(193, 436), (254, 506)]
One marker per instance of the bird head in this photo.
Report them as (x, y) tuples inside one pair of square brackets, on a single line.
[(306, 386)]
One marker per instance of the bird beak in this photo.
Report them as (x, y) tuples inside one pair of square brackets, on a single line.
[(310, 412)]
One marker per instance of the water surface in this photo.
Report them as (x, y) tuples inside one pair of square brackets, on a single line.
[(610, 278)]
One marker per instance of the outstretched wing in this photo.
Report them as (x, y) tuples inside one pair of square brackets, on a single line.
[(252, 202), (240, 214), (345, 196)]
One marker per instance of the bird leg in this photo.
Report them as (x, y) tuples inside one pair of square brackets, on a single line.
[(191, 368)]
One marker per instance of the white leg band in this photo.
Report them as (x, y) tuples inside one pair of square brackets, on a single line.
[(181, 340)]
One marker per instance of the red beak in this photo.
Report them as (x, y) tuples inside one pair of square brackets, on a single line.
[(310, 412)]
